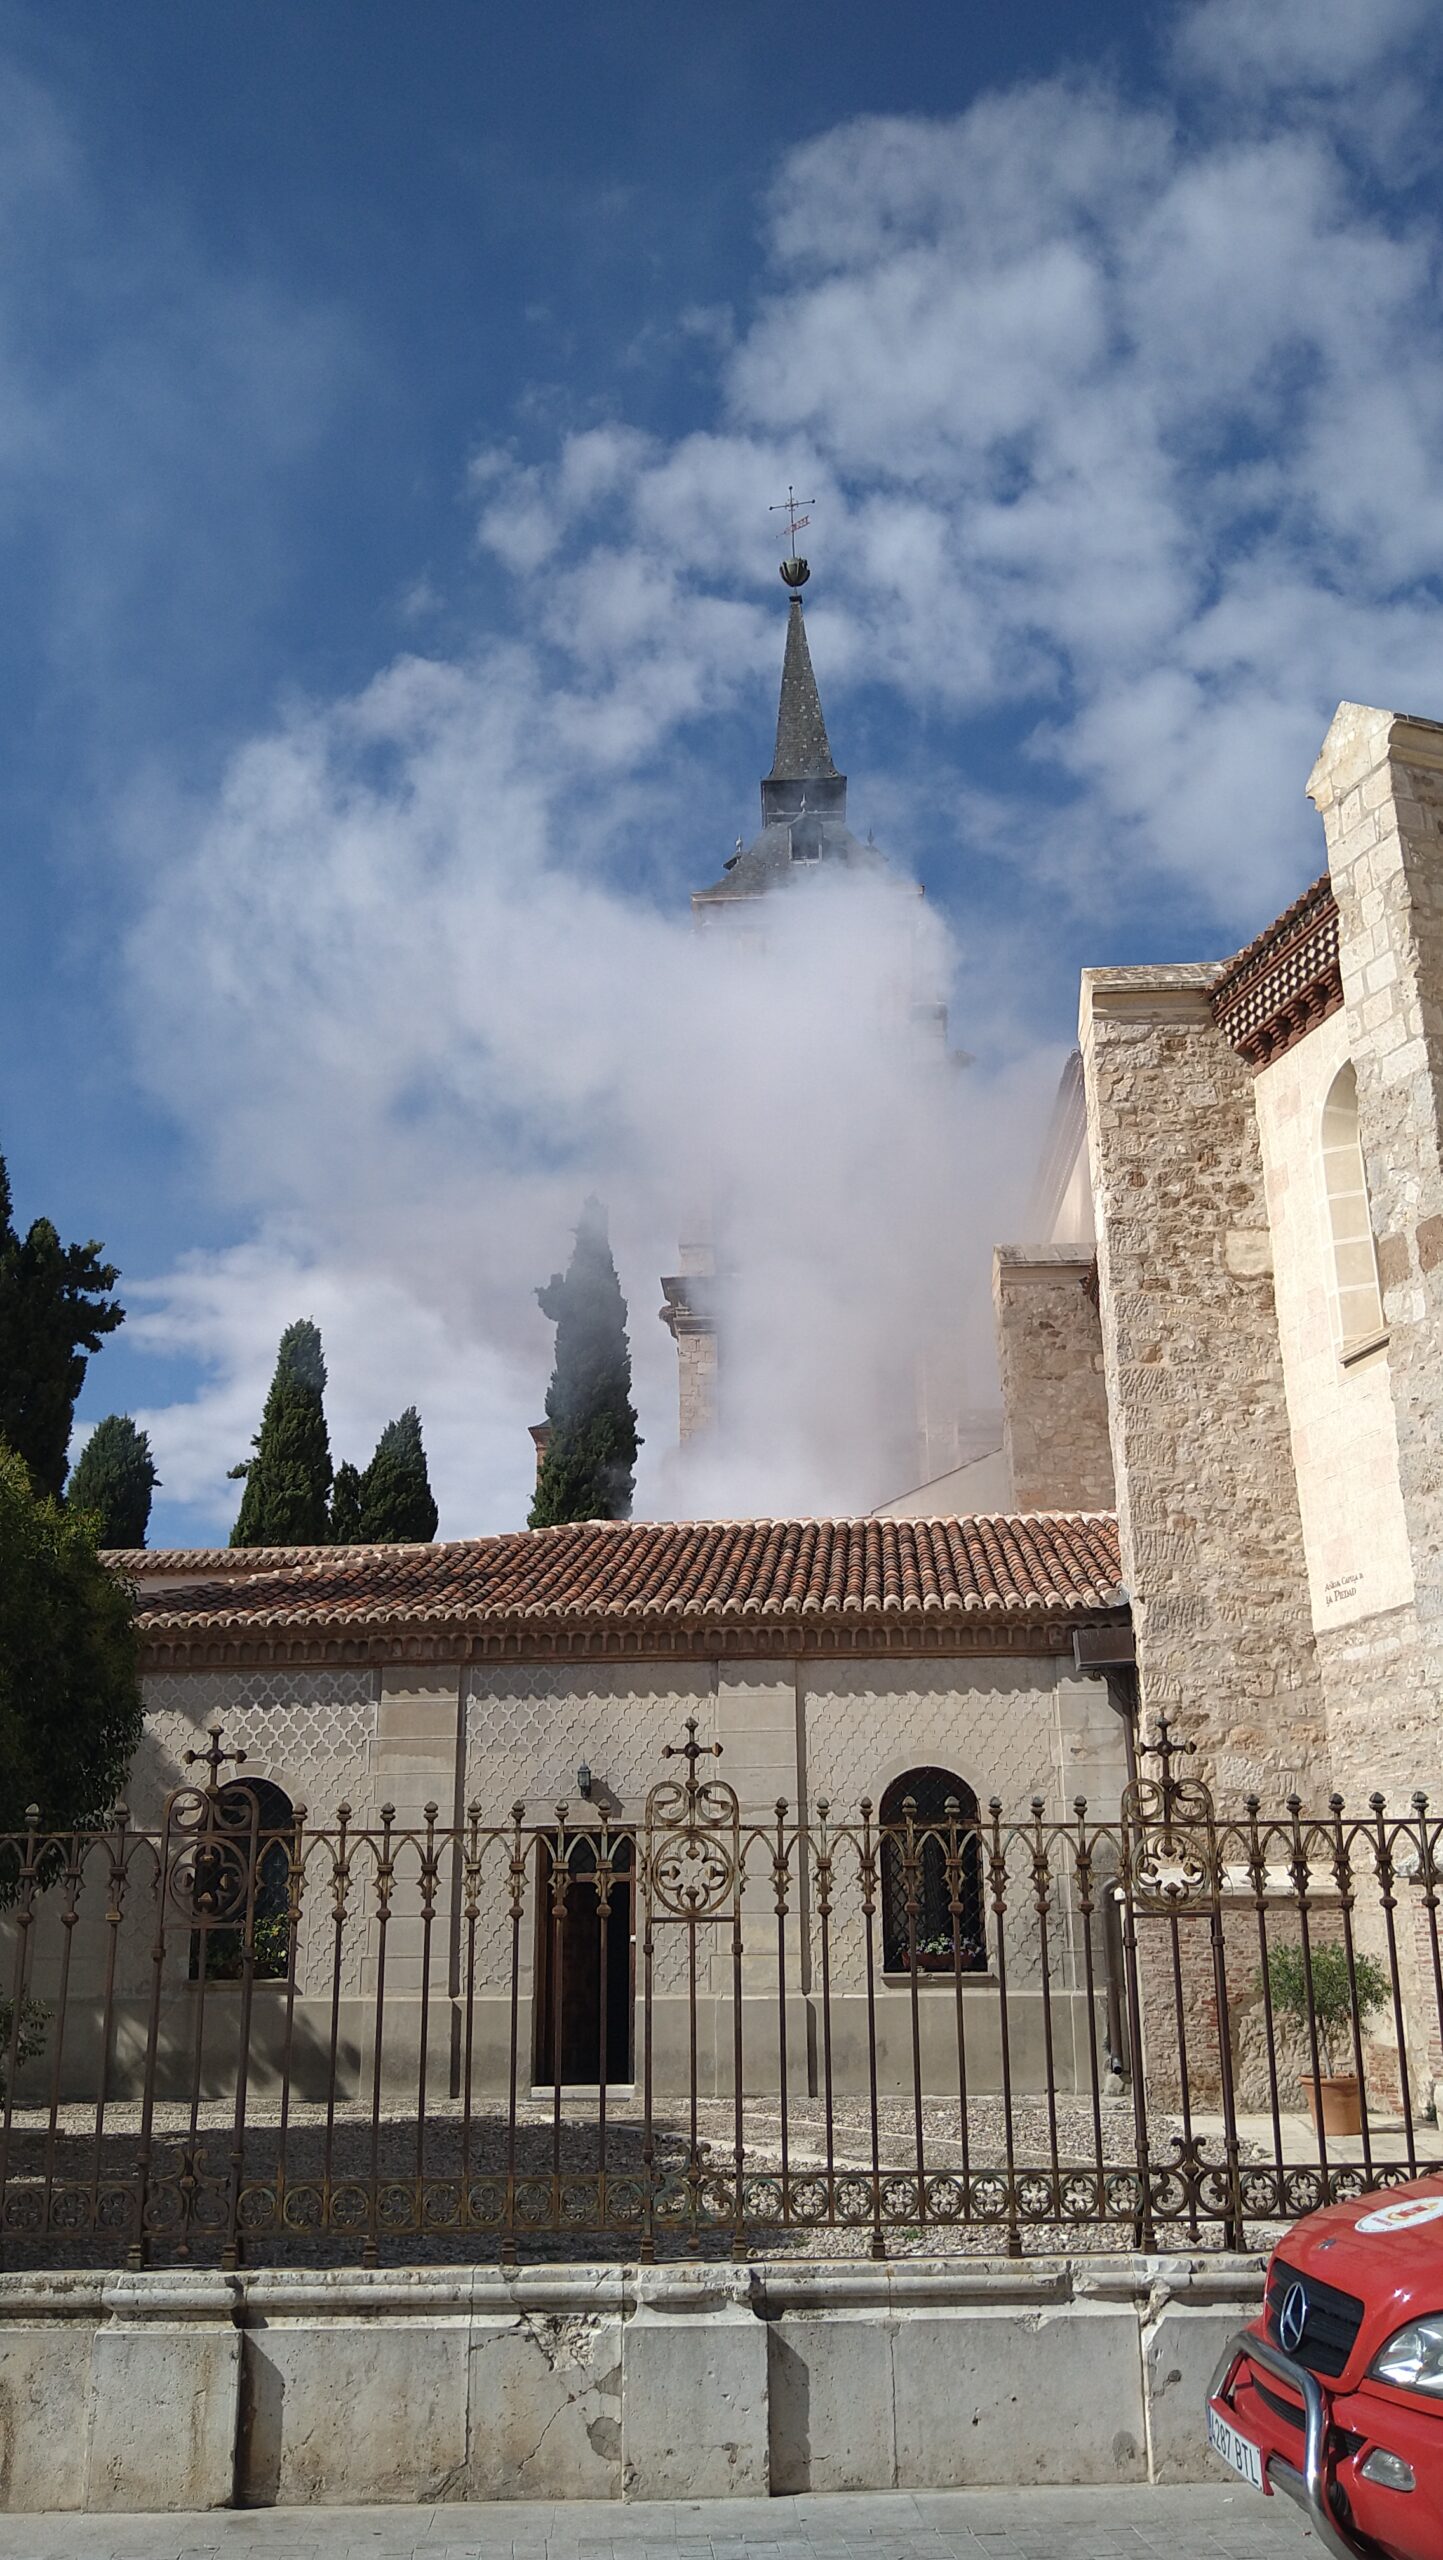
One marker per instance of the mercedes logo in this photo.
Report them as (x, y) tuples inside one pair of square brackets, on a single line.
[(1292, 2319)]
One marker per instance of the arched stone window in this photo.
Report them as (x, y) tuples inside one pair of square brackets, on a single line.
[(1357, 1302), (219, 1951), (931, 1856)]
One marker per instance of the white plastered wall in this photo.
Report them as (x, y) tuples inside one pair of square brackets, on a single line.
[(1345, 1448)]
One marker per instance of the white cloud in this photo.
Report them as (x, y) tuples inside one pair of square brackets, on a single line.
[(1307, 44), (1077, 385)]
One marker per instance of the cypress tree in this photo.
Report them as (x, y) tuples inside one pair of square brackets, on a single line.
[(55, 1307), (70, 1703), (397, 1504), (589, 1470), (288, 1481), (346, 1505), (115, 1476)]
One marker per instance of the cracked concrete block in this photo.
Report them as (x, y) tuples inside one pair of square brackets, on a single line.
[(354, 2412), (832, 2420), (161, 2431), (545, 2406), (1179, 2350), (694, 2410), (44, 2396), (1000, 2399)]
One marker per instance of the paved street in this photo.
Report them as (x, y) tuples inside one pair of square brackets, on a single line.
[(1212, 2523)]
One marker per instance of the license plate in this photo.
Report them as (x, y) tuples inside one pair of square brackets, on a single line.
[(1241, 2457)]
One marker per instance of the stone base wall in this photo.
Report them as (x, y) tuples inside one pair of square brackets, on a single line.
[(153, 2393)]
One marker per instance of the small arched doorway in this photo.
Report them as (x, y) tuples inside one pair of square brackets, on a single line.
[(931, 1853), (585, 1966)]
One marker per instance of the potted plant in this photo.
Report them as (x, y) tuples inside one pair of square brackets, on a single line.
[(938, 1955), (1332, 2094)]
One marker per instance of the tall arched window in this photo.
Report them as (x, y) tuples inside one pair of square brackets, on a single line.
[(931, 1861), (219, 1950), (1357, 1302)]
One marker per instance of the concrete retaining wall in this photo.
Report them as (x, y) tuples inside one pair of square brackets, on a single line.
[(304, 2388)]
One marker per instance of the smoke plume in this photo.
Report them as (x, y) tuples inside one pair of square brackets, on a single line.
[(420, 1017)]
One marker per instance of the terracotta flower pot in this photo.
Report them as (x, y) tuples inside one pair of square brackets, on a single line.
[(1342, 2103)]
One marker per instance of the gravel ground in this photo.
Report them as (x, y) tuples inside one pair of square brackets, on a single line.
[(560, 2161)]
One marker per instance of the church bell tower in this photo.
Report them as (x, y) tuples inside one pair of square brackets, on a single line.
[(804, 830)]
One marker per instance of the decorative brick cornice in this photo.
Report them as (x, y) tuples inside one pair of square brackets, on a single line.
[(1285, 983), (347, 1648)]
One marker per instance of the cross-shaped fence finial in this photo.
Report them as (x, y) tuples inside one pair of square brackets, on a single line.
[(1164, 1750), (691, 1750), (215, 1759)]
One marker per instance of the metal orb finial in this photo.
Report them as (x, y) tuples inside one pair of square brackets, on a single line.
[(795, 573)]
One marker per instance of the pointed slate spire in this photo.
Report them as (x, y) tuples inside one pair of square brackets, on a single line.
[(803, 753), (803, 776)]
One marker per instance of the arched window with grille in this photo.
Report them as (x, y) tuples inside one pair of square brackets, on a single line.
[(1357, 1300), (218, 1950), (931, 1875)]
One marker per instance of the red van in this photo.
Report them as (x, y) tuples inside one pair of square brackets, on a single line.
[(1335, 2395)]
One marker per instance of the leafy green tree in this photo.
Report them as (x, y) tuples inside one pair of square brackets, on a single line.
[(70, 1702), (346, 1505), (115, 1476), (397, 1504), (589, 1470), (288, 1481), (55, 1308)]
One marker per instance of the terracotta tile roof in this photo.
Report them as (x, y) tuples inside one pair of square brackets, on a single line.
[(638, 1577), (211, 1564), (1284, 983)]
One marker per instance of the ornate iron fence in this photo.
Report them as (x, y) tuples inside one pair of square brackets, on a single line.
[(238, 2035)]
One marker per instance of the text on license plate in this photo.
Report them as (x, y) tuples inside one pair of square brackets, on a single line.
[(1244, 2458)]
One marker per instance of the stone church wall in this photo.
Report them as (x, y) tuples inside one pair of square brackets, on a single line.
[(531, 1726), (1345, 1448), (995, 1723), (1054, 1393), (311, 1732), (1017, 1731), (1378, 786), (416, 1753), (1211, 1537)]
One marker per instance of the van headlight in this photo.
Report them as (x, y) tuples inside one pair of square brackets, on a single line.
[(1413, 2357)]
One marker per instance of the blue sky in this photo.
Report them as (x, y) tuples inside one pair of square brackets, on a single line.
[(393, 399)]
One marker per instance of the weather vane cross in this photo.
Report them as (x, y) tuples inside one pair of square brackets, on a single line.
[(796, 514)]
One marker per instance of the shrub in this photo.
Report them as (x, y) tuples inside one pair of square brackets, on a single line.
[(1334, 1986), (34, 2018)]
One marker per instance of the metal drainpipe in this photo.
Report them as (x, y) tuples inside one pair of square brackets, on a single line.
[(1107, 1654)]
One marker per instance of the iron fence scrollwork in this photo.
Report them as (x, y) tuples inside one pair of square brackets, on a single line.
[(688, 2023)]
